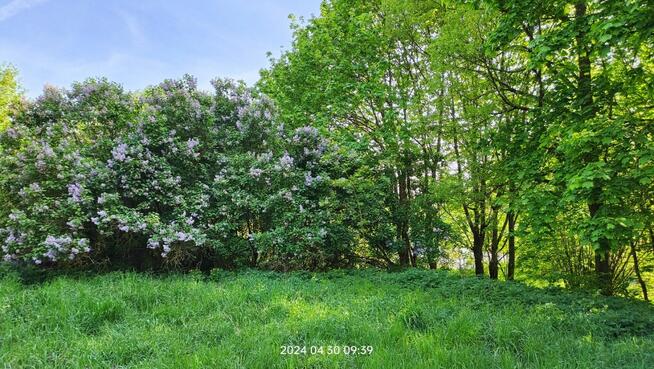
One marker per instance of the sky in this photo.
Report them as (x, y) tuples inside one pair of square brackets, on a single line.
[(138, 43)]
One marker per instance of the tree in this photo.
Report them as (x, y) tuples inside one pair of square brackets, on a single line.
[(374, 98), (9, 94)]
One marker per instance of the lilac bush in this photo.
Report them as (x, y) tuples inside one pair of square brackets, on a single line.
[(171, 176), (48, 155)]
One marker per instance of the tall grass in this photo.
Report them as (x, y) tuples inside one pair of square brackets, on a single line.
[(413, 319)]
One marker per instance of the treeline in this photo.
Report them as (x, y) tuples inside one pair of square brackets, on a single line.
[(517, 135), (525, 127)]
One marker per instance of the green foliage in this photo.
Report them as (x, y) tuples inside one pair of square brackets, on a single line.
[(9, 94)]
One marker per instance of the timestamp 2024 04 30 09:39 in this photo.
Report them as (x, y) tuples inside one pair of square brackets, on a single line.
[(326, 350)]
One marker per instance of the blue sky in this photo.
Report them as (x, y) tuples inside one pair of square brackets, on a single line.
[(141, 42)]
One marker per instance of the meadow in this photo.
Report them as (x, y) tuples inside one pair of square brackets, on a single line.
[(410, 319)]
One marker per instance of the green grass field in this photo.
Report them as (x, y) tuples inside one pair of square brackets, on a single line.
[(412, 319)]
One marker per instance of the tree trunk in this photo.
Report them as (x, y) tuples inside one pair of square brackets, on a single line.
[(511, 267), (402, 223), (643, 285), (478, 252), (493, 264), (602, 257)]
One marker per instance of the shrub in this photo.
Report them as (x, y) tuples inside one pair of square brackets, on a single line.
[(171, 177)]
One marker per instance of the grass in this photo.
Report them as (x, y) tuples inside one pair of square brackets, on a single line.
[(412, 319)]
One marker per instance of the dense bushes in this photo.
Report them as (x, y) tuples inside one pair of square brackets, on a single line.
[(173, 176)]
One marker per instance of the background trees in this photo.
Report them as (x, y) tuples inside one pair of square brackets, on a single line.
[(527, 121)]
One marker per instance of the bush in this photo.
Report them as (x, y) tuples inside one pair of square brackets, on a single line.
[(171, 177)]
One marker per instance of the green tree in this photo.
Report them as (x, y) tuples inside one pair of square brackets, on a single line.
[(9, 94), (360, 72)]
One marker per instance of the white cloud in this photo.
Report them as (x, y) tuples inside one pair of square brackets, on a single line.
[(134, 29), (16, 6)]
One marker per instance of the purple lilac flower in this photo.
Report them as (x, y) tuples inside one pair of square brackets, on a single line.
[(255, 172), (75, 192), (195, 104), (153, 244), (166, 250), (192, 143), (47, 150), (102, 213), (12, 133), (119, 153), (309, 180), (241, 111), (183, 236), (56, 243), (286, 161)]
